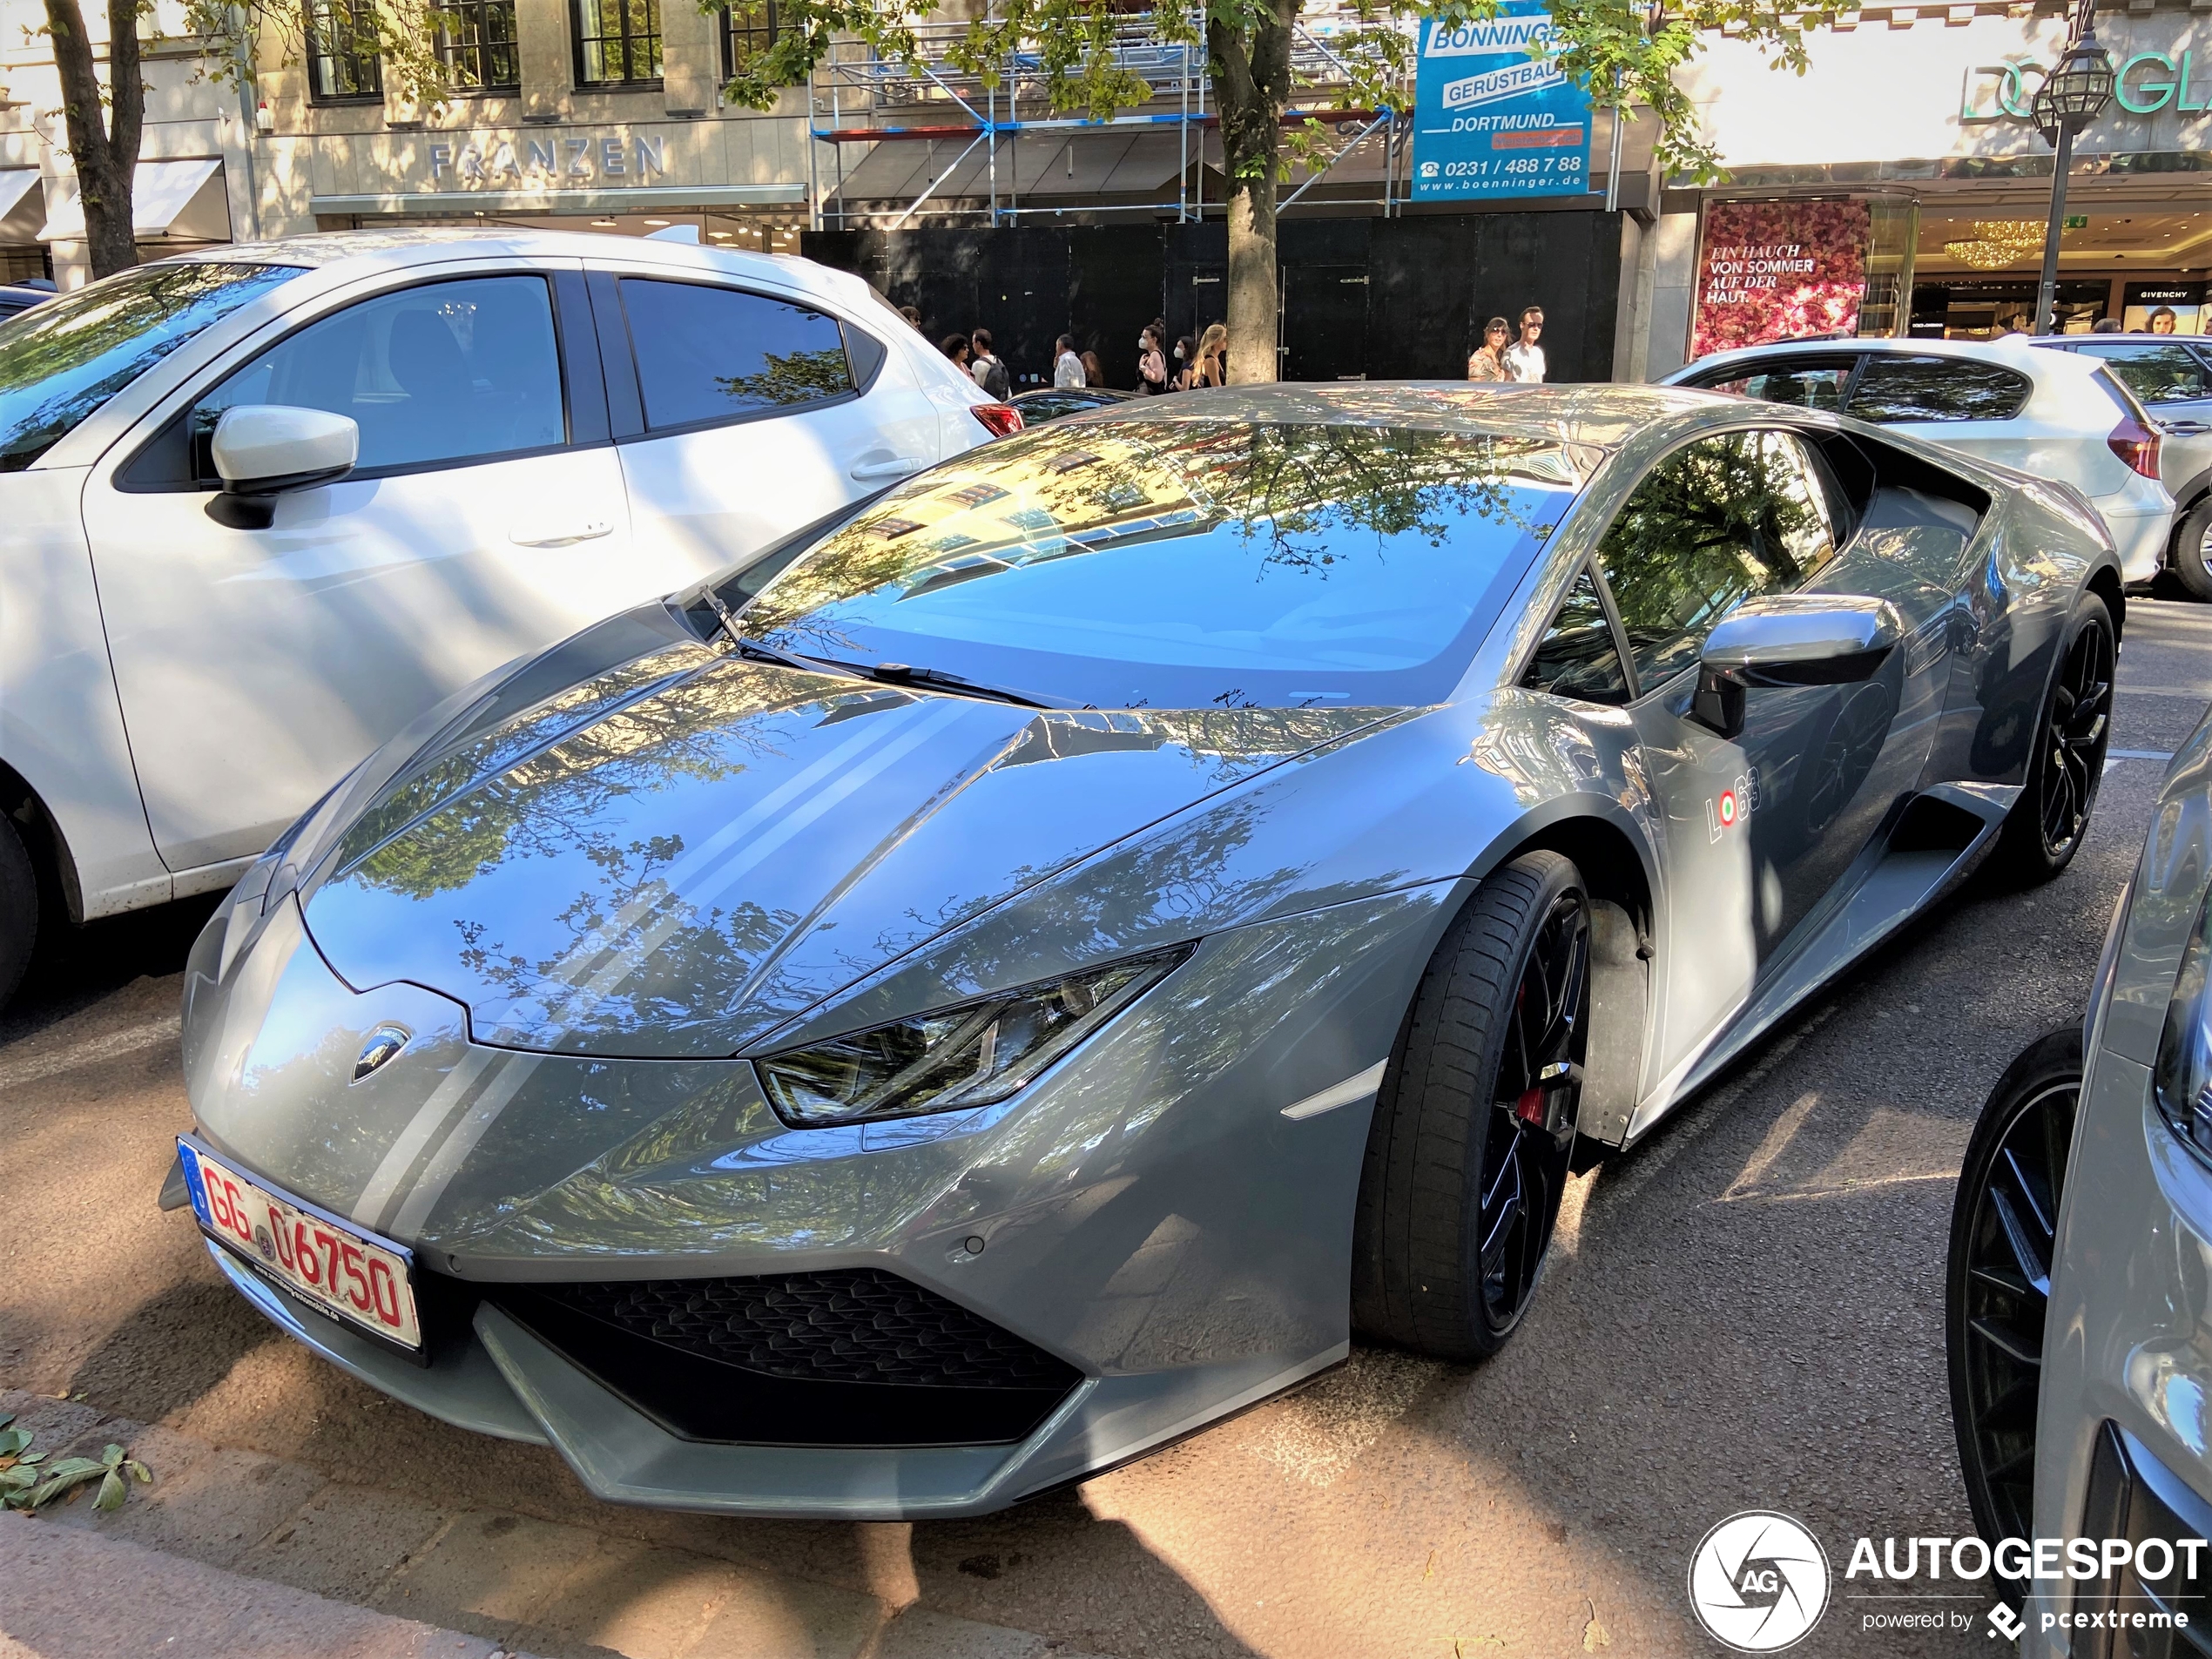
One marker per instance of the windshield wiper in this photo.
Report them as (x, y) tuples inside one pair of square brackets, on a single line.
[(936, 680)]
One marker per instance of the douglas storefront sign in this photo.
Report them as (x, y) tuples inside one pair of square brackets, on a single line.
[(2150, 82), (1786, 270)]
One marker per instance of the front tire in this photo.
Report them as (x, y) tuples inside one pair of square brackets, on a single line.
[(2003, 1230), (2047, 823), (18, 910), (1467, 1155)]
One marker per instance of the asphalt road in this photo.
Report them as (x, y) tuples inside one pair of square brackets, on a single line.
[(1744, 1312)]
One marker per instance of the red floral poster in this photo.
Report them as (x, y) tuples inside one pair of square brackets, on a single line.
[(1773, 271)]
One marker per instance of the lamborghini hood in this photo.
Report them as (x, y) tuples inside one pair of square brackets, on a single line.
[(678, 855)]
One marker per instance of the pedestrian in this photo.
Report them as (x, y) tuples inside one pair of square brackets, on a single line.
[(1066, 368), (1524, 358), (1213, 357), (955, 347), (912, 317), (1094, 371), (1186, 364), (1151, 364), (989, 372), (2106, 326), (1487, 361)]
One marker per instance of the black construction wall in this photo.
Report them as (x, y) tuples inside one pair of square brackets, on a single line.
[(1373, 299)]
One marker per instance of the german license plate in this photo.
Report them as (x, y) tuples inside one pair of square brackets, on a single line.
[(329, 1264)]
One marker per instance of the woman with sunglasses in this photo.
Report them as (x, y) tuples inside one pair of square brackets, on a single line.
[(1487, 361)]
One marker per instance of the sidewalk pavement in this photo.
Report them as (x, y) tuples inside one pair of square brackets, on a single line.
[(228, 1551)]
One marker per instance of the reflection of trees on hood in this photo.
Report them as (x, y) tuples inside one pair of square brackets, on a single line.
[(1295, 496), (706, 725)]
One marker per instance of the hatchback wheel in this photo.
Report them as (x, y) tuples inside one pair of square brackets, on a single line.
[(2067, 762), (2004, 1230), (1468, 1156), (2193, 550)]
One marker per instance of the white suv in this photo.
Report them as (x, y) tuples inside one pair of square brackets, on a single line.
[(260, 506), (2046, 413)]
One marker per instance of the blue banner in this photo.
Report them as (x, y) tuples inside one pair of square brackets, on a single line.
[(1491, 120)]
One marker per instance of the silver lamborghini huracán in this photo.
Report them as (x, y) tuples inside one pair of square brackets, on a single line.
[(1034, 965)]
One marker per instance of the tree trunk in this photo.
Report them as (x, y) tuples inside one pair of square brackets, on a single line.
[(1251, 81), (104, 151)]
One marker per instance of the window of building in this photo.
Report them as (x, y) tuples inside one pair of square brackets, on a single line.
[(618, 42), (747, 31), (476, 40), (707, 354), (1713, 524), (342, 63), (1895, 387)]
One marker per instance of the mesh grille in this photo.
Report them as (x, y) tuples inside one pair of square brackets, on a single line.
[(855, 1325)]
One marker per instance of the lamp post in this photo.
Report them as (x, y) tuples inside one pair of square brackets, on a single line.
[(2071, 96)]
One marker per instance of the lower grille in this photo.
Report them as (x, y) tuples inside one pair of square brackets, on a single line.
[(852, 1357)]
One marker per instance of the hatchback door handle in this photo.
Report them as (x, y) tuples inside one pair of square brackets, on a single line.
[(890, 467), (544, 533)]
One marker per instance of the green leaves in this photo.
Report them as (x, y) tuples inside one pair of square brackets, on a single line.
[(27, 1481)]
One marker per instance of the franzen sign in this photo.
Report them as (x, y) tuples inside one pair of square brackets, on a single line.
[(490, 161)]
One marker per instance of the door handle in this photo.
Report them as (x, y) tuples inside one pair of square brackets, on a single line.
[(890, 467), (559, 534)]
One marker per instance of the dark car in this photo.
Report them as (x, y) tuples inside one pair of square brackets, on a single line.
[(17, 297), (1052, 402)]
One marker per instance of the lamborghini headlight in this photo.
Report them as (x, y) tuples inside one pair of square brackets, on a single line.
[(969, 1054), (2182, 1077)]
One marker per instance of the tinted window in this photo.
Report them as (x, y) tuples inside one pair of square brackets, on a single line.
[(455, 371), (1576, 657), (1808, 386), (714, 354), (2156, 374), (61, 361), (1192, 564), (1892, 387), (1714, 523)]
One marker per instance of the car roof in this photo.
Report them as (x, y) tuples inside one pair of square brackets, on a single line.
[(2015, 351), (403, 246), (1596, 416)]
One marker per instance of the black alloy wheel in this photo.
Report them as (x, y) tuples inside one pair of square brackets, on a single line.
[(2004, 1234), (2066, 764), (1463, 1184)]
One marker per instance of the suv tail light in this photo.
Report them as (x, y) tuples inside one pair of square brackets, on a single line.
[(1003, 420), (2136, 444)]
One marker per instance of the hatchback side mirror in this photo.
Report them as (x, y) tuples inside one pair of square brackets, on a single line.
[(1790, 639), (262, 450)]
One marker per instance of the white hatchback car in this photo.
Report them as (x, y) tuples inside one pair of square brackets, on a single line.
[(262, 505), (2048, 413)]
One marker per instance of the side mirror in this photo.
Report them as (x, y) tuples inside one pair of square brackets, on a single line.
[(264, 449), (1790, 639)]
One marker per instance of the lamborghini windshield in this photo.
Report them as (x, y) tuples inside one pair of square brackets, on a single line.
[(1184, 564)]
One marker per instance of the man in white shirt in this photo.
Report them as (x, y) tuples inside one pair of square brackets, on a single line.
[(1524, 358), (1066, 368), (987, 369)]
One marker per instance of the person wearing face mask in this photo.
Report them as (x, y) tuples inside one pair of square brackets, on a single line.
[(1151, 365), (1186, 365)]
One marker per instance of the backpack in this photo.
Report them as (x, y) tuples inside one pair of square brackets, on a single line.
[(996, 382)]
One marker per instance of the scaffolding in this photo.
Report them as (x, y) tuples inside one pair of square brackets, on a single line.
[(868, 113)]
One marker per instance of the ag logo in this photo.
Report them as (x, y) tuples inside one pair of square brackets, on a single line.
[(1759, 1582)]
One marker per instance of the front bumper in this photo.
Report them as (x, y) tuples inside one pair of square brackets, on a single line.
[(1146, 1216), (2129, 1342)]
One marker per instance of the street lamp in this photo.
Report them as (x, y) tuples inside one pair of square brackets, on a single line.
[(2071, 96)]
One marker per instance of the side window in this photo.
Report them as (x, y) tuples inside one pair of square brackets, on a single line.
[(1805, 385), (446, 373), (1714, 523), (707, 354), (2156, 374), (1576, 657), (1893, 387)]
